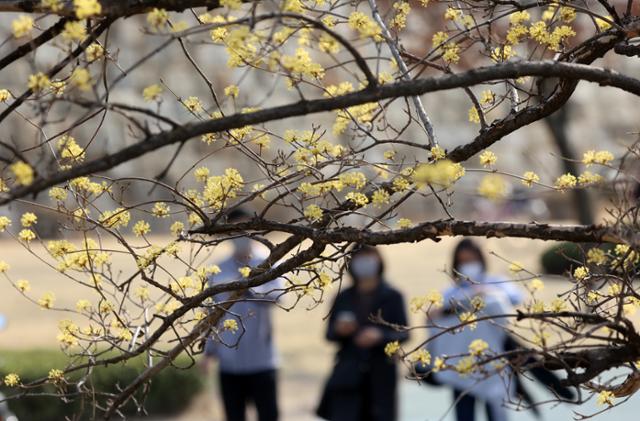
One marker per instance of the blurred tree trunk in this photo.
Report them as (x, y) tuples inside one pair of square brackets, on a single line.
[(557, 123)]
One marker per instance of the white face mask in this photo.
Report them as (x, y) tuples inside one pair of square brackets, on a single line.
[(365, 266), (474, 271)]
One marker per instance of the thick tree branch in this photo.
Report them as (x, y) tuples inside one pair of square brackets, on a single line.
[(430, 230), (604, 77)]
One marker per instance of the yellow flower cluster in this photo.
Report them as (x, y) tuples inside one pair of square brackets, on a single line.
[(22, 172), (301, 64), (152, 92), (116, 218), (28, 219), (432, 299), (157, 18), (422, 357), (477, 347), (94, 52), (404, 223), (442, 172), (597, 157), (529, 178), (22, 26), (230, 325), (581, 273), (74, 31), (12, 380), (141, 228), (392, 348), (87, 8), (313, 213), (488, 159), (219, 189), (402, 9), (492, 186), (365, 26)]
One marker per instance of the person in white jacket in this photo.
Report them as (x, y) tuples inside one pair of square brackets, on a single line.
[(493, 384)]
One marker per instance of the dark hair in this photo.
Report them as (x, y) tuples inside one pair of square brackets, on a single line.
[(468, 245), (362, 249), (238, 215)]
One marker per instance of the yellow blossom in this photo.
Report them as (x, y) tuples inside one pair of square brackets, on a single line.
[(87, 8), (451, 53), (422, 357), (26, 235), (313, 213), (47, 300), (22, 26), (596, 256), (55, 375), (536, 284), (83, 305), (605, 398), (492, 186), (404, 223), (516, 267), (529, 177), (391, 348), (519, 17), (566, 181), (157, 18), (438, 153), (38, 82), (81, 78), (230, 325), (5, 95), (160, 210), (581, 273), (94, 52), (4, 223), (380, 197), (465, 366), (193, 104), (53, 5), (141, 228), (474, 116), (478, 346), (438, 364), (12, 380), (469, 319), (74, 31), (365, 26), (245, 271), (177, 227), (152, 92), (232, 91), (488, 159), (23, 285), (28, 219)]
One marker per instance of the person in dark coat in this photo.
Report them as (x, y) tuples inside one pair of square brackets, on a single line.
[(363, 383)]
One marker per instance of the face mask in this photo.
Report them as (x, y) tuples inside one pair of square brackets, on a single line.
[(365, 266), (472, 271)]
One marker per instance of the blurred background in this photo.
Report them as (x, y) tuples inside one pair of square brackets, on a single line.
[(595, 118)]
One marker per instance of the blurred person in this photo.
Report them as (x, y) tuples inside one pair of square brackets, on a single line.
[(498, 295), (247, 359), (363, 383), (471, 282)]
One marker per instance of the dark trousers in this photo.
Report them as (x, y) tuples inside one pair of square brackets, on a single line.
[(466, 407), (240, 389)]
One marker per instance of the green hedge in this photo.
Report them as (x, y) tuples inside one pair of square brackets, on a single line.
[(170, 391), (561, 258)]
